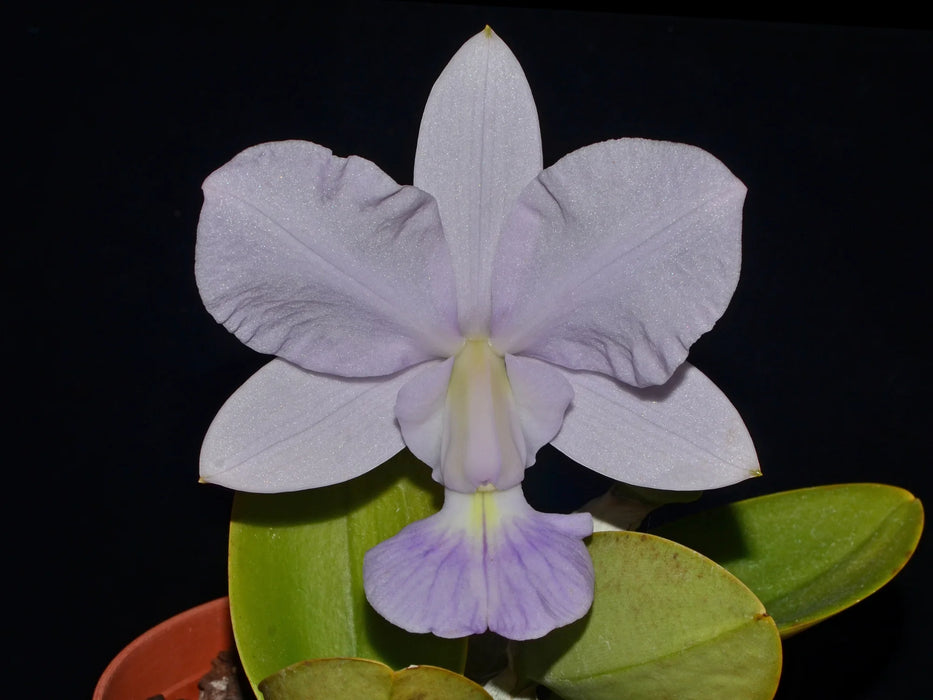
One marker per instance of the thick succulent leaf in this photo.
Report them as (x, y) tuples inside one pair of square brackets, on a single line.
[(288, 429), (325, 261), (359, 679), (296, 560), (666, 623), (811, 553), (478, 147), (617, 258), (682, 436)]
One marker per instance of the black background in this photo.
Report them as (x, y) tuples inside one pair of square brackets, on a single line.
[(115, 370)]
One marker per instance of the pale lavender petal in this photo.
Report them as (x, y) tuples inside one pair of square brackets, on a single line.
[(430, 577), (538, 571), (486, 561), (325, 261), (288, 429), (478, 147), (617, 258), (419, 409), (682, 436), (541, 394)]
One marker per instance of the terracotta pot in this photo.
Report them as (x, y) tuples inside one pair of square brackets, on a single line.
[(171, 657)]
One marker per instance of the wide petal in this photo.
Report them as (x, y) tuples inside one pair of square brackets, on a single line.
[(325, 261), (682, 436), (288, 429), (485, 561), (617, 258), (478, 147)]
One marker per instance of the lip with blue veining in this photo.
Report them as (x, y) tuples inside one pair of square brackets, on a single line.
[(487, 560)]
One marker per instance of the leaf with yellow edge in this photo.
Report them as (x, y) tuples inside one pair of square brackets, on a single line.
[(811, 553), (360, 679), (666, 622)]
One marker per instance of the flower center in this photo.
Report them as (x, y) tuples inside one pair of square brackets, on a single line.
[(483, 447)]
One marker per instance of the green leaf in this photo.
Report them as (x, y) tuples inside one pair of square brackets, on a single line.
[(809, 554), (666, 622), (296, 589), (356, 679)]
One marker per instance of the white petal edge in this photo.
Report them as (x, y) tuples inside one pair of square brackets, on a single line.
[(682, 436), (617, 258), (325, 261), (287, 429), (479, 145)]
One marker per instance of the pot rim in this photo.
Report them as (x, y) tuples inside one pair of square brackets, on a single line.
[(216, 607)]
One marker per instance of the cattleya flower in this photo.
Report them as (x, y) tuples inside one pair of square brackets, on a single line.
[(491, 308)]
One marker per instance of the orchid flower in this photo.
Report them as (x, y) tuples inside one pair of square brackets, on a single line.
[(491, 308)]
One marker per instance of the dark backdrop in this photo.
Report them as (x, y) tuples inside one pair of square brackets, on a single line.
[(116, 370)]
